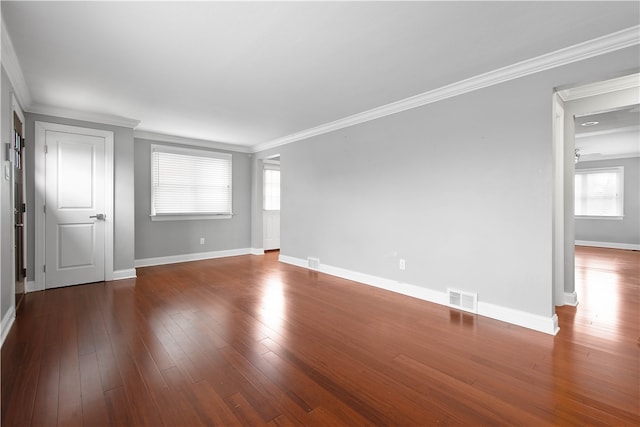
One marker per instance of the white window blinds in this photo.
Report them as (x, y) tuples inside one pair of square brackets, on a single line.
[(598, 192), (190, 182)]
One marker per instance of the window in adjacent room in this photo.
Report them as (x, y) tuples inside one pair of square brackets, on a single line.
[(190, 183), (599, 192), (271, 187)]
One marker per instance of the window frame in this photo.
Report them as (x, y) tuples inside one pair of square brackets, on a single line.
[(619, 170), (196, 152)]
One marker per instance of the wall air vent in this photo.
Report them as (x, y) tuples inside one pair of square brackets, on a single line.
[(461, 300), (314, 263)]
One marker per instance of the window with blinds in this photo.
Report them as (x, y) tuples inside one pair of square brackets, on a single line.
[(599, 192), (190, 183)]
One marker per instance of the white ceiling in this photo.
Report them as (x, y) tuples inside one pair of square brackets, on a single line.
[(616, 134), (248, 73)]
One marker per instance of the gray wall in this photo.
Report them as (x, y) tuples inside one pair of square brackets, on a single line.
[(7, 284), (123, 235), (460, 189), (626, 230), (166, 238)]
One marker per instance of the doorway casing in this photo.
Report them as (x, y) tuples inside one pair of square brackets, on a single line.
[(41, 129), (568, 103)]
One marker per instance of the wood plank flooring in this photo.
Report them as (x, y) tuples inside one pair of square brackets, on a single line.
[(250, 341)]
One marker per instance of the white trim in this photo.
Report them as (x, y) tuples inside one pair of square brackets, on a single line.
[(109, 184), (14, 70), (128, 273), (32, 287), (159, 137), (40, 183), (571, 298), (610, 245), (599, 88), (188, 217), (147, 262), (7, 322), (629, 129), (547, 325), (106, 119), (606, 218), (597, 157), (599, 46), (293, 261), (15, 108), (558, 222), (257, 251)]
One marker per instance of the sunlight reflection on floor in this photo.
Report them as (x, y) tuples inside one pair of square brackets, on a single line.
[(273, 306)]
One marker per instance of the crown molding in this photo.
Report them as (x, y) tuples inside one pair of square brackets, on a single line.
[(589, 49), (597, 157), (599, 88), (627, 129), (106, 119), (12, 67), (174, 139)]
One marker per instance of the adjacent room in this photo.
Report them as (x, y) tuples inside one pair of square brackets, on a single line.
[(320, 213)]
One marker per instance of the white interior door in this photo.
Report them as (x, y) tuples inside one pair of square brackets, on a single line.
[(75, 209), (271, 229)]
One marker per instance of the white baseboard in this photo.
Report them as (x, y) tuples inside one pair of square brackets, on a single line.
[(32, 286), (611, 245), (129, 273), (571, 298), (7, 322), (148, 262), (293, 261), (257, 251), (547, 325)]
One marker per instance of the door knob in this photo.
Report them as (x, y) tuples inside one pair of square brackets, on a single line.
[(99, 217)]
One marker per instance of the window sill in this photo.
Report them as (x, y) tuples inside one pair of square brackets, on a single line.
[(614, 218), (188, 217)]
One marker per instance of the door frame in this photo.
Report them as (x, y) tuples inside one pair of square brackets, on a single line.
[(41, 129), (576, 100), (15, 109)]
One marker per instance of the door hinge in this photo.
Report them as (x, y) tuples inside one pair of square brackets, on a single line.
[(44, 208), (24, 272), (23, 207), (44, 268), (46, 149)]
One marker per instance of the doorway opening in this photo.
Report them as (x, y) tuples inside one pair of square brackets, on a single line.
[(611, 106), (271, 203)]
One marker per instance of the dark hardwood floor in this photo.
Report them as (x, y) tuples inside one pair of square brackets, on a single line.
[(250, 341)]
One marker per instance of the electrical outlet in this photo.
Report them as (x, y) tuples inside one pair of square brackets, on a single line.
[(403, 264), (202, 240)]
